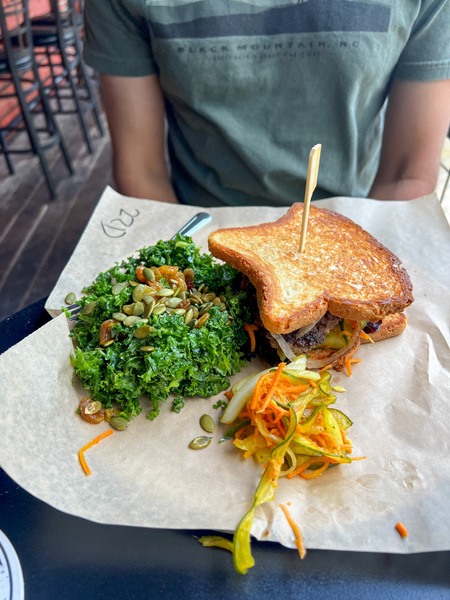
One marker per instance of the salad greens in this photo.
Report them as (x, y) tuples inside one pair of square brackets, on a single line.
[(184, 361)]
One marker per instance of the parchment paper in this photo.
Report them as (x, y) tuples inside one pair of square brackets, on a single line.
[(398, 399)]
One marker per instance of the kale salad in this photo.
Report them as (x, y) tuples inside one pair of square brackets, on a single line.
[(168, 321)]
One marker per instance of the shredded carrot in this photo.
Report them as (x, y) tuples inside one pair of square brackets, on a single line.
[(348, 364), (294, 389), (81, 452), (325, 368), (401, 529), (229, 395), (250, 329), (298, 536), (364, 335), (317, 472), (271, 389), (257, 390)]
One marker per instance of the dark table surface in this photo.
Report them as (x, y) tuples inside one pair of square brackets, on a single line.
[(65, 557)]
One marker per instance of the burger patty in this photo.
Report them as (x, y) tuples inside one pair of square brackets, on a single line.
[(314, 337)]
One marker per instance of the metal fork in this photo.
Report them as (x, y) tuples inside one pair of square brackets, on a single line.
[(197, 222)]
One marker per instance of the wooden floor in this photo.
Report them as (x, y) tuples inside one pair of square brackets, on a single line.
[(37, 234)]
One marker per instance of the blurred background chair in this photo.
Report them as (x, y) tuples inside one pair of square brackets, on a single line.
[(57, 38), (19, 80)]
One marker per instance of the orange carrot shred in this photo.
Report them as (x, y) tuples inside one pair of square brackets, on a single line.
[(251, 332), (229, 395), (364, 335), (81, 452), (401, 529), (271, 390), (298, 536), (348, 364)]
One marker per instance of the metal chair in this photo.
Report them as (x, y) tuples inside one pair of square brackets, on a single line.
[(58, 47), (19, 78)]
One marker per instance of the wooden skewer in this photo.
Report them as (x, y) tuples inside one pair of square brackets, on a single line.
[(311, 182)]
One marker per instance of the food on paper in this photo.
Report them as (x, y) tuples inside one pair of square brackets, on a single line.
[(318, 301), (168, 321), (284, 418)]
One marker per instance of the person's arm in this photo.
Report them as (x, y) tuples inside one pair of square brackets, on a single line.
[(417, 120), (135, 111)]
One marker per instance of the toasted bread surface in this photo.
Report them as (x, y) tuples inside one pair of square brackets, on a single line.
[(391, 326), (343, 269)]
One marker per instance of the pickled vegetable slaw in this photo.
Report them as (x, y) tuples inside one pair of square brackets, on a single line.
[(283, 417)]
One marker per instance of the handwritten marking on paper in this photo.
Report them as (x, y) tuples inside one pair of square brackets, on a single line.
[(118, 227)]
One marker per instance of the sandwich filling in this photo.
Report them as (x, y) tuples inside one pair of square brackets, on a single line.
[(328, 341)]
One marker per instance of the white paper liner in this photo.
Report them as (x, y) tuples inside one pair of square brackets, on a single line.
[(398, 399)]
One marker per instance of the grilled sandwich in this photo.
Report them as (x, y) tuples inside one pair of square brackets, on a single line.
[(317, 302)]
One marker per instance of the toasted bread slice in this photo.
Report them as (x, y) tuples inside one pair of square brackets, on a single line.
[(343, 269), (391, 326)]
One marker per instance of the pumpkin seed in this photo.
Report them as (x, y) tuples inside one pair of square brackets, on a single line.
[(179, 311), (139, 292), (149, 309), (195, 299), (164, 292), (175, 281), (199, 442), (159, 310), (205, 308), (338, 388), (108, 343), (119, 316), (192, 323), (88, 308), (142, 332), (182, 295), (138, 309), (148, 274), (177, 291), (119, 423), (173, 302), (146, 348), (92, 407), (200, 287), (131, 320), (148, 299), (70, 298), (118, 287), (128, 309), (207, 423), (217, 301), (223, 299), (133, 283), (209, 297), (188, 316)]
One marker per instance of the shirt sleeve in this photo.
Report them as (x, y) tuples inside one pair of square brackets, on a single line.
[(426, 56), (117, 40)]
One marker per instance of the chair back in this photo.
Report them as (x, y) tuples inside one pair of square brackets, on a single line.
[(67, 15), (15, 32)]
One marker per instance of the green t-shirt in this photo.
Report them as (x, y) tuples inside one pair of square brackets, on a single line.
[(251, 86)]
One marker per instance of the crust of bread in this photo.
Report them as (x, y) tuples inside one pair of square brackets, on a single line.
[(343, 269), (391, 326)]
